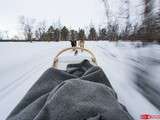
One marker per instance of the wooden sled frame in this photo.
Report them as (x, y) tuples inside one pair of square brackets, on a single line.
[(55, 62)]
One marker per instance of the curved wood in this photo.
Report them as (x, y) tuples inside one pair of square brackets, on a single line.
[(55, 62)]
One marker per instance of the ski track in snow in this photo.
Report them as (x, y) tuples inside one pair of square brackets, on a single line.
[(23, 63), (120, 75)]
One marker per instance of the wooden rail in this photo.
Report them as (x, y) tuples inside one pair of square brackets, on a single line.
[(55, 62)]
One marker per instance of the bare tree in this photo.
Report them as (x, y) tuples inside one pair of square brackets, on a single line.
[(124, 15), (125, 11), (41, 31), (107, 10), (133, 32), (15, 37), (27, 26), (4, 35), (1, 35), (126, 32), (112, 31)]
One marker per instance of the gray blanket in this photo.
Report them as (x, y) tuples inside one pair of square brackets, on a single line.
[(81, 92)]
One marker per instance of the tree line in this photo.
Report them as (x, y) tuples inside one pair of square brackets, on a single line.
[(51, 33), (112, 32), (147, 31)]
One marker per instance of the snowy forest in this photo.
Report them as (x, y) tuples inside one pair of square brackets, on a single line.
[(146, 29)]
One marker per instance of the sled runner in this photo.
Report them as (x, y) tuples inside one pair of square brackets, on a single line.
[(92, 56)]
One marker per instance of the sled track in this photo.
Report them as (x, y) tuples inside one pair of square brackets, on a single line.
[(130, 61), (124, 86), (8, 89), (12, 86)]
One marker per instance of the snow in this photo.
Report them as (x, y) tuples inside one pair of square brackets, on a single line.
[(21, 64)]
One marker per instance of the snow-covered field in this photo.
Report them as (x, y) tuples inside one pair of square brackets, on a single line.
[(126, 66)]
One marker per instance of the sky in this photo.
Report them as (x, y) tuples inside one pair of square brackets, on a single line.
[(71, 13)]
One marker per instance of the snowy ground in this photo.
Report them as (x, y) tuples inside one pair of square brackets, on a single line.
[(127, 66)]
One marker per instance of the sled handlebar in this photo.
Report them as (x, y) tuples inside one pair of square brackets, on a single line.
[(55, 62)]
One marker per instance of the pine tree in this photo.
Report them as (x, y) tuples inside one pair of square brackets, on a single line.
[(50, 34), (92, 34), (73, 34), (64, 33), (102, 34), (112, 32), (81, 35), (57, 34)]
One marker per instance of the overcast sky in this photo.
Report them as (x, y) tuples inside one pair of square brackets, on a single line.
[(72, 13)]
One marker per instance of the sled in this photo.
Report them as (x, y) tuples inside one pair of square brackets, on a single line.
[(73, 49)]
